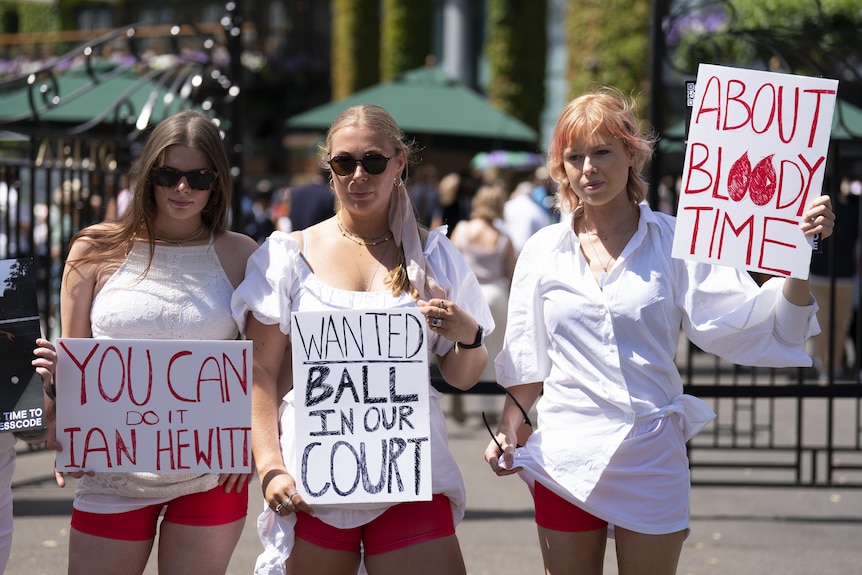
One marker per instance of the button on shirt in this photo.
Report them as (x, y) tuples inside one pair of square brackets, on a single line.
[(606, 357)]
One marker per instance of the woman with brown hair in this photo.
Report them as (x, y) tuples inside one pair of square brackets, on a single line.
[(166, 269)]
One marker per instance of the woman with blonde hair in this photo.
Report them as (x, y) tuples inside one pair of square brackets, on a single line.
[(370, 255), (490, 253)]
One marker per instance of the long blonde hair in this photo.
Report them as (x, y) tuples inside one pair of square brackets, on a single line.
[(381, 121), (604, 113)]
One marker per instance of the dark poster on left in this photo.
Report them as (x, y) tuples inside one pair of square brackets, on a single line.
[(21, 391)]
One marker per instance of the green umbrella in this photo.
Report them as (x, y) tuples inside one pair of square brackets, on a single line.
[(426, 101)]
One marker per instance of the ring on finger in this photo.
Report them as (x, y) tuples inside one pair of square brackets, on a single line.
[(292, 495), (436, 322), (279, 507), (442, 305)]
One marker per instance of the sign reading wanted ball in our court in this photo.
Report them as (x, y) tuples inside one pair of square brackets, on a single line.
[(362, 406)]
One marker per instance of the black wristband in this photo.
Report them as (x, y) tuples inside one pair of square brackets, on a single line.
[(476, 342)]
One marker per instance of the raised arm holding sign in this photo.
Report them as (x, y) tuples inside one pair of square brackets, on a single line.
[(597, 305)]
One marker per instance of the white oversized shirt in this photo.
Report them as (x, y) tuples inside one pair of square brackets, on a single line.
[(278, 282), (606, 358)]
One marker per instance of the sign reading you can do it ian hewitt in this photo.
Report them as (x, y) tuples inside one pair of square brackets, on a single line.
[(154, 405)]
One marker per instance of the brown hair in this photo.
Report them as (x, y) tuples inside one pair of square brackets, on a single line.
[(187, 128), (606, 112)]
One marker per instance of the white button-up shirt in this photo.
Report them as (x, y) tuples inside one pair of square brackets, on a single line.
[(606, 357)]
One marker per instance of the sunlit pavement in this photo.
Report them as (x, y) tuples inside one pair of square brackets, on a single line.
[(734, 531)]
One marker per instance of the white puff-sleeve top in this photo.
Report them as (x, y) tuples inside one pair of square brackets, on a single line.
[(278, 281), (606, 358)]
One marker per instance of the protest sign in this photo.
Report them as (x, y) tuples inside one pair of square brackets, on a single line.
[(755, 159), (362, 406), (154, 405), (21, 396)]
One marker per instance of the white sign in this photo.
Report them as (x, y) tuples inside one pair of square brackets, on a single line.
[(154, 405), (755, 158), (361, 390)]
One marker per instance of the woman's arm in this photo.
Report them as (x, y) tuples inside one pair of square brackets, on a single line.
[(271, 351), (511, 420), (77, 290), (460, 367)]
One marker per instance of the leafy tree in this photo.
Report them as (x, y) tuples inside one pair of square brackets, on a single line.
[(608, 44), (355, 46), (813, 37), (29, 18), (516, 49), (405, 39)]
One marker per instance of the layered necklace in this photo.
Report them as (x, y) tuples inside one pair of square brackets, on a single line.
[(368, 243), (384, 237), (160, 236)]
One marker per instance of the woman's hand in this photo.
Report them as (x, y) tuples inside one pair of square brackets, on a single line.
[(279, 491), (819, 217), (507, 440), (235, 481), (445, 318)]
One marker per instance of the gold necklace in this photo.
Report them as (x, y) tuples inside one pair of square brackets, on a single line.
[(359, 240), (603, 277), (172, 240), (367, 284)]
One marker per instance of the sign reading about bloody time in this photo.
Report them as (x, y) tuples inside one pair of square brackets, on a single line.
[(755, 159), (362, 406), (154, 405)]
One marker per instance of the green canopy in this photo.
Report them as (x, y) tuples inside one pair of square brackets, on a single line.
[(108, 96), (426, 101)]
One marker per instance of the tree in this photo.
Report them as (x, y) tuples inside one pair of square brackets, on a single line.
[(355, 47), (608, 44), (812, 37), (405, 39), (516, 49)]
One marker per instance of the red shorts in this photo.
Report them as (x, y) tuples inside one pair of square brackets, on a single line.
[(400, 526), (554, 512), (213, 507)]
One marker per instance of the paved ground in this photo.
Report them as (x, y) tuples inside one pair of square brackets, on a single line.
[(734, 531)]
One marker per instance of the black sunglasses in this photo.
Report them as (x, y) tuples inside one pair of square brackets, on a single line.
[(168, 177), (372, 163), (527, 421)]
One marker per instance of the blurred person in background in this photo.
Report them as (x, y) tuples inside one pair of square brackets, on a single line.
[(529, 209), (489, 251)]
